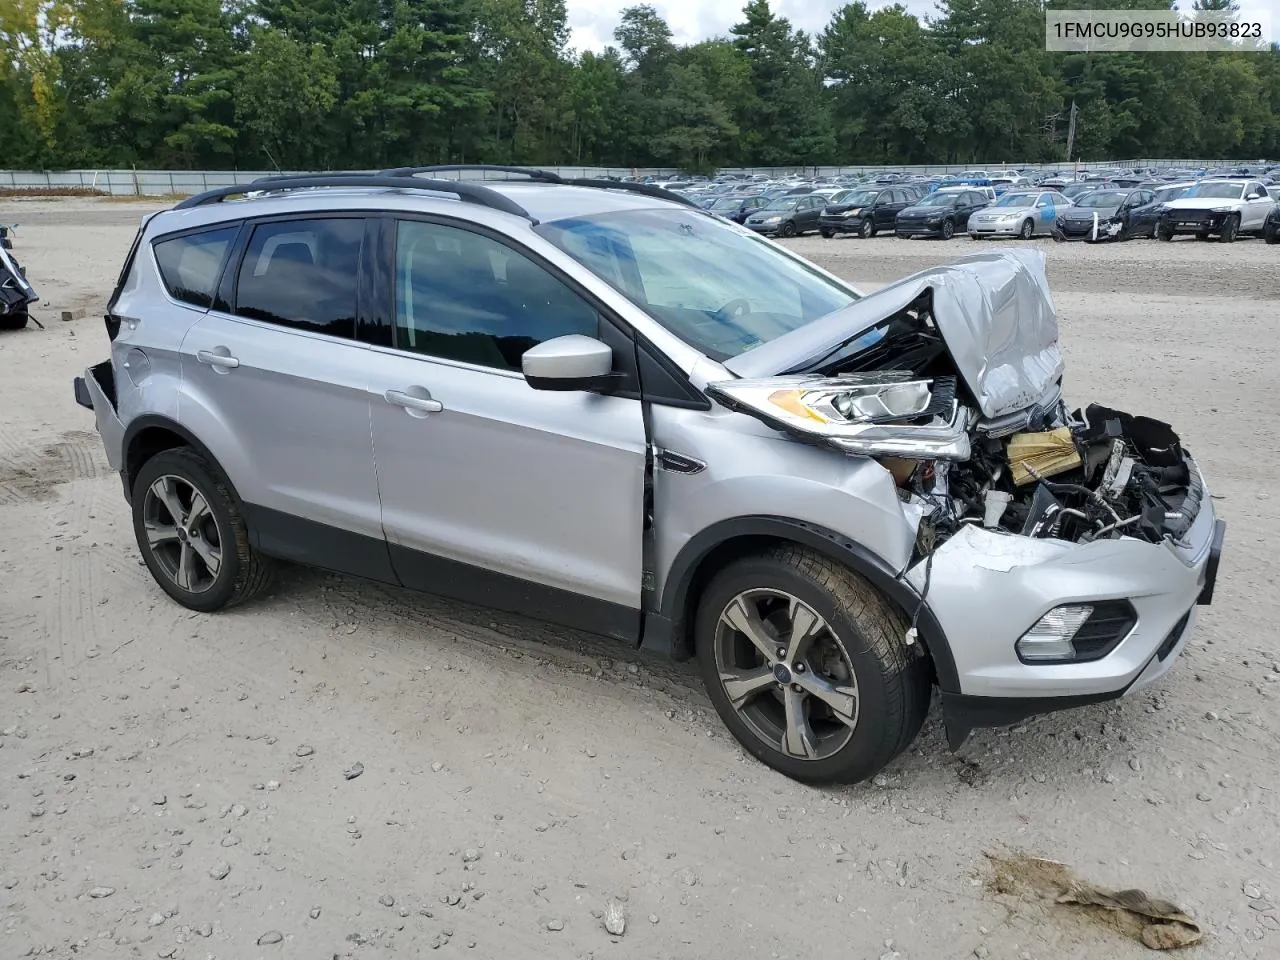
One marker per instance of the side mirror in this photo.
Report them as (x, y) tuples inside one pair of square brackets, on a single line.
[(572, 362)]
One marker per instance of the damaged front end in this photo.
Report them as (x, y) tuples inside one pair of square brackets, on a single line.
[(16, 293), (1035, 524)]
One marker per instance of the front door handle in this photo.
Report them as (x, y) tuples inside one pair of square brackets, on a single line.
[(410, 402), (214, 359)]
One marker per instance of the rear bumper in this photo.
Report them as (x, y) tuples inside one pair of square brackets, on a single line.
[(96, 391)]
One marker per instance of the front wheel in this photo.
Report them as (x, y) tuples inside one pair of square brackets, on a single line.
[(948, 229), (14, 321), (1230, 227), (826, 234), (807, 666), (1028, 229), (866, 229), (192, 535), (1164, 232), (788, 229)]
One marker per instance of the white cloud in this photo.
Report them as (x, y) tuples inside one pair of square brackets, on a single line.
[(593, 21)]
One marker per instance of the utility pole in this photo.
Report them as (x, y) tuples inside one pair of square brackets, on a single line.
[(1071, 131)]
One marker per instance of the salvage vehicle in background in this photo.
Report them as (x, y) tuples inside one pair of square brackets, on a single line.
[(1225, 208), (1144, 219), (1030, 214), (832, 501), (738, 209), (16, 293), (865, 212), (939, 214), (1101, 216)]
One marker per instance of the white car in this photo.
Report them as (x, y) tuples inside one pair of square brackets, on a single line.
[(1225, 208)]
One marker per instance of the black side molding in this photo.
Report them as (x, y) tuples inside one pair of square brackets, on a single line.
[(962, 714), (1211, 568)]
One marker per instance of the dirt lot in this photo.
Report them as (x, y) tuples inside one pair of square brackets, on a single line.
[(172, 784)]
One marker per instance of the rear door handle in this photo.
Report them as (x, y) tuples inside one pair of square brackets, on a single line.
[(410, 402), (223, 360)]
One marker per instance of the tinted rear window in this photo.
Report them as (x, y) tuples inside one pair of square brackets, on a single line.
[(302, 274), (190, 265)]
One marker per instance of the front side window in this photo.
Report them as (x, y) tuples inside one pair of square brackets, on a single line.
[(466, 297), (302, 274), (719, 288), (190, 266)]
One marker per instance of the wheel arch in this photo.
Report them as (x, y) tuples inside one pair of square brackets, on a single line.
[(710, 550), (151, 434)]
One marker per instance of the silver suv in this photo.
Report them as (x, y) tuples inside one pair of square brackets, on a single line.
[(590, 402)]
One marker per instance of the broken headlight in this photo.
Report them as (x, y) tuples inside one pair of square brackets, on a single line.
[(889, 413)]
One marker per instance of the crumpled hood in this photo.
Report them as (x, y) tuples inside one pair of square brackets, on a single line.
[(1086, 213), (994, 311)]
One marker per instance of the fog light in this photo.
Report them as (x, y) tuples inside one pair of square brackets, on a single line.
[(1050, 638)]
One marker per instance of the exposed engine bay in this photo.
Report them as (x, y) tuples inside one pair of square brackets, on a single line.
[(894, 393)]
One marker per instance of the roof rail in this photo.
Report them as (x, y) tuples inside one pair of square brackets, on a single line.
[(465, 191), (648, 190), (532, 173)]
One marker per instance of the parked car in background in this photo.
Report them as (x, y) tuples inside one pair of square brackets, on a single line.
[(1033, 213), (1143, 219), (1073, 190), (939, 214), (1271, 227), (865, 212), (737, 209), (787, 216), (1225, 208), (1101, 215), (1004, 185), (16, 293)]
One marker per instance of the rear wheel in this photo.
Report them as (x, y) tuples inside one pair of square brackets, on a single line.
[(192, 535), (948, 229), (866, 229), (1230, 227), (1271, 233), (805, 663), (15, 321)]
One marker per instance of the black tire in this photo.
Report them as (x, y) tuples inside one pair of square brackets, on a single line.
[(788, 229), (1027, 230), (242, 573), (1164, 232), (826, 234), (948, 229), (866, 229), (865, 638), (1271, 233), (1230, 228), (14, 321)]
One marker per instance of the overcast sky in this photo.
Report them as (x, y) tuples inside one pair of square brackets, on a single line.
[(593, 21)]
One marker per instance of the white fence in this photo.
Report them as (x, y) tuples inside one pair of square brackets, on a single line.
[(187, 182)]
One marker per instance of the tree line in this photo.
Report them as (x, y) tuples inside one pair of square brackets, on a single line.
[(334, 84)]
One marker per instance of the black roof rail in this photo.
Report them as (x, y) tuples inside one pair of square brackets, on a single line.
[(463, 190), (646, 189), (545, 176)]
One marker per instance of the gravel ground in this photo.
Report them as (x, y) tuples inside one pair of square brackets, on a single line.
[(348, 770)]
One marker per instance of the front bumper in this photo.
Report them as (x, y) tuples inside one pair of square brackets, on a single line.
[(1164, 582), (840, 224), (920, 229), (995, 229), (1072, 230), (1193, 221), (765, 228)]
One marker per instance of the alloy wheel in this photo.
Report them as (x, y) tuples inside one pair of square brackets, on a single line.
[(787, 674), (182, 534)]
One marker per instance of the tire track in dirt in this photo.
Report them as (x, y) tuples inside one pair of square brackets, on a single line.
[(33, 474)]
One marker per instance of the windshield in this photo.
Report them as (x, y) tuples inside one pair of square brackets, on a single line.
[(938, 200), (1101, 198), (1218, 191), (861, 198), (717, 287), (731, 203), (1017, 200), (1170, 193), (783, 203)]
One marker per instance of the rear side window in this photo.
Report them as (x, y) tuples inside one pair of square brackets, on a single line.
[(190, 265), (302, 274)]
